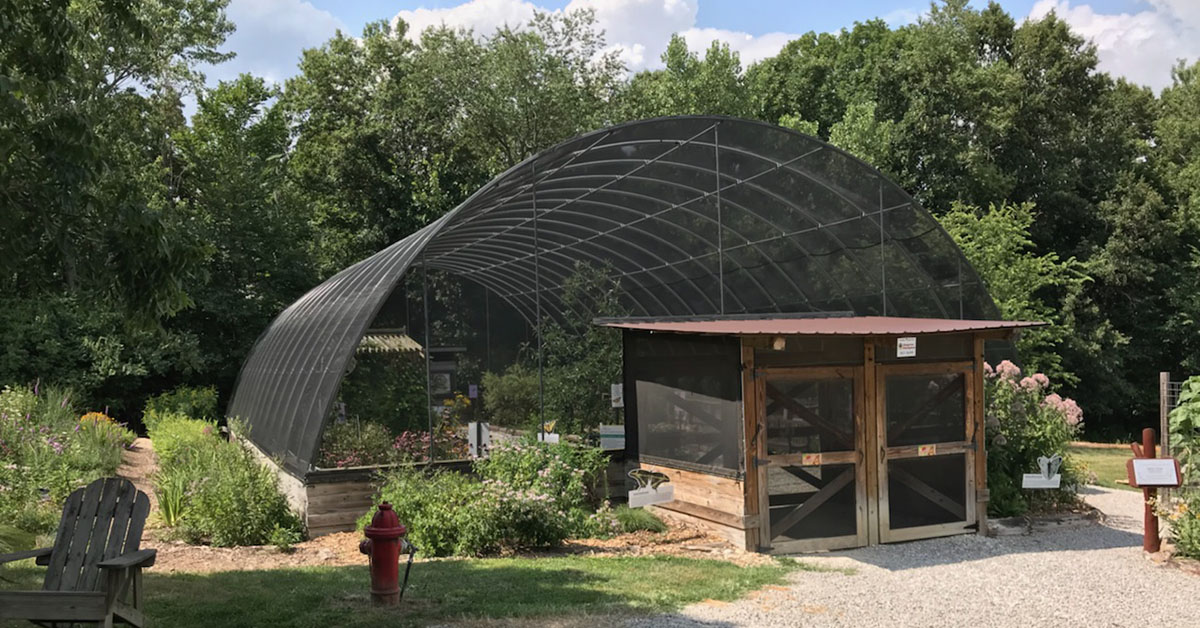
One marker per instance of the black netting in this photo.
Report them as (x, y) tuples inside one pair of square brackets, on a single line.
[(686, 393)]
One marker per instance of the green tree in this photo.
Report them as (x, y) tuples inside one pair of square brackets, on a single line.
[(689, 85), (1025, 285)]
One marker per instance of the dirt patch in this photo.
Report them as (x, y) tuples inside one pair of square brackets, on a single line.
[(138, 465), (333, 550)]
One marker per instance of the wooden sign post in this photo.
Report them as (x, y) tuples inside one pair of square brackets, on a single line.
[(1148, 473)]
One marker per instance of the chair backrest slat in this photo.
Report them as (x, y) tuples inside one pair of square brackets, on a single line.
[(101, 521)]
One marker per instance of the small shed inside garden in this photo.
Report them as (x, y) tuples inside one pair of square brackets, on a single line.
[(792, 434)]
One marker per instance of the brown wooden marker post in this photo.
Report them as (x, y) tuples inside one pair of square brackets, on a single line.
[(1150, 540)]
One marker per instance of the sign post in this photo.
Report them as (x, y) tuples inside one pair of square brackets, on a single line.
[(1148, 473)]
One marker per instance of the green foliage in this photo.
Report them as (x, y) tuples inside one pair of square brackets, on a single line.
[(1024, 284), (1025, 421), (689, 85), (529, 496), (638, 520), (582, 359), (47, 451), (1184, 428), (177, 438), (387, 389), (511, 398), (214, 491), (189, 401), (355, 444)]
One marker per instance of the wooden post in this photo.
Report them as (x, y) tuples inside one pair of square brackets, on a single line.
[(981, 487), (758, 536), (1150, 540), (1164, 409), (871, 436)]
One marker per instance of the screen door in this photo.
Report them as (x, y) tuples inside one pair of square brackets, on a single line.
[(812, 473)]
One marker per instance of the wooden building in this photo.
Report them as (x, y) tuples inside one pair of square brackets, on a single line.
[(811, 433)]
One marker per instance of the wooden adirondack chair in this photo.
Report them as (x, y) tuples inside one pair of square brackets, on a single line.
[(94, 570)]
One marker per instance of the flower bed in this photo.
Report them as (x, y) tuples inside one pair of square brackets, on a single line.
[(527, 495), (48, 450)]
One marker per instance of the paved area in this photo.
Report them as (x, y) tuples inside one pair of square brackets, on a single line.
[(1093, 575)]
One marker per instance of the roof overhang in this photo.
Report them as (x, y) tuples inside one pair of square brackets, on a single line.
[(821, 325)]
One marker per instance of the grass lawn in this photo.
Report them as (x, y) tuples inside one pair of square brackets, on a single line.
[(1108, 464), (441, 591)]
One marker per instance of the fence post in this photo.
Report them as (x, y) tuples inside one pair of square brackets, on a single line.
[(1164, 409)]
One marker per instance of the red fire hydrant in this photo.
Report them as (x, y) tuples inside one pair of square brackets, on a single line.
[(384, 542)]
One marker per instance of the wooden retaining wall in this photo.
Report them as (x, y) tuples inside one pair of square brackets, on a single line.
[(714, 503)]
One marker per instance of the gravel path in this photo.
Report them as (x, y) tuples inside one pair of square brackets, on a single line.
[(1094, 575)]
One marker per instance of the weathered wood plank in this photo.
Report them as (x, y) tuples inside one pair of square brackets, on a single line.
[(101, 530), (68, 576), (52, 605)]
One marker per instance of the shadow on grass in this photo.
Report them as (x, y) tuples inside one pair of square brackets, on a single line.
[(441, 591)]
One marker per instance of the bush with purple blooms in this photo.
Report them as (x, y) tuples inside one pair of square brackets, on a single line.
[(48, 450), (1025, 420)]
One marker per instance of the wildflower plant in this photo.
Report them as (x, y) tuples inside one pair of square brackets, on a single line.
[(1182, 511), (1025, 420)]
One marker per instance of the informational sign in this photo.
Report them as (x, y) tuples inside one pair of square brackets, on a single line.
[(548, 437), (1049, 476), (810, 460), (1037, 480), (612, 437), (653, 488), (1153, 472), (473, 391), (906, 347), (927, 450), (479, 439), (617, 394)]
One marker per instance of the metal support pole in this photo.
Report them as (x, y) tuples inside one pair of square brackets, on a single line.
[(428, 347), (537, 298), (882, 253), (720, 223)]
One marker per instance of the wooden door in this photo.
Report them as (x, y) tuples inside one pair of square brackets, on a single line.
[(926, 462), (812, 476)]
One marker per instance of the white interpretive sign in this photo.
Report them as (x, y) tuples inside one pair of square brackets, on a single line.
[(1155, 472), (548, 437), (650, 495), (906, 347), (617, 394), (612, 437), (653, 487), (479, 439), (1037, 480)]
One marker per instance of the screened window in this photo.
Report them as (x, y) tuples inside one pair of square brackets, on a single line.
[(687, 394)]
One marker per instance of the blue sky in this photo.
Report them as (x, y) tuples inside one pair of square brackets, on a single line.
[(1137, 39)]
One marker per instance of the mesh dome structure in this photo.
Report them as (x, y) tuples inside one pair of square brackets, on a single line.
[(698, 215)]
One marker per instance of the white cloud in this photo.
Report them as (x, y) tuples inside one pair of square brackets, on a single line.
[(270, 36), (1142, 46), (638, 30)]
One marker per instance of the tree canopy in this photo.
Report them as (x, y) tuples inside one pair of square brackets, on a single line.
[(143, 249)]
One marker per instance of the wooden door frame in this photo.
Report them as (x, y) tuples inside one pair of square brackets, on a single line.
[(972, 441), (760, 378)]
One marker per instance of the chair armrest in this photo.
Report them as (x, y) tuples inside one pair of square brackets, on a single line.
[(43, 556), (140, 558)]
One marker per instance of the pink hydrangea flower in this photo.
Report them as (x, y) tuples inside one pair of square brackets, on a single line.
[(1008, 370), (988, 371), (1035, 382)]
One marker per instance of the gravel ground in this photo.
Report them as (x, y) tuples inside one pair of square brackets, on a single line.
[(1093, 575)]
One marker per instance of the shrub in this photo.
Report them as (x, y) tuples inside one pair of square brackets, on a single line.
[(355, 444), (511, 398), (214, 491), (1023, 422), (531, 495), (1183, 511), (568, 473), (197, 403), (175, 436), (638, 519)]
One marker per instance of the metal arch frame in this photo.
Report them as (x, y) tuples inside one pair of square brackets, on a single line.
[(290, 379)]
